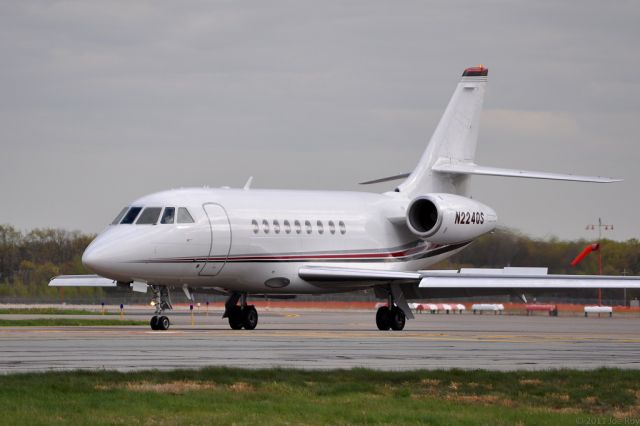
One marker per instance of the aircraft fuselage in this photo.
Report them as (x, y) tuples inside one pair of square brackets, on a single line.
[(256, 240)]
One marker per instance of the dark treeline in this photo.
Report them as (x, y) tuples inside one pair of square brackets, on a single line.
[(509, 248), (29, 260)]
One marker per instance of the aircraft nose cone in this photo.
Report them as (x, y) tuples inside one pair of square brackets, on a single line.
[(92, 260)]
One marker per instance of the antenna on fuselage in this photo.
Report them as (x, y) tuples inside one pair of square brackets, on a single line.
[(247, 185)]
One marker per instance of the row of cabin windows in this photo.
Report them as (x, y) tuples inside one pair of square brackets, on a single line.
[(297, 227), (150, 216)]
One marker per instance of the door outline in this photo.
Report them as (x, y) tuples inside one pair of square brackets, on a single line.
[(208, 269)]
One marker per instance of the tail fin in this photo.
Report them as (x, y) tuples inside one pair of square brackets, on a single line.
[(448, 162), (454, 139)]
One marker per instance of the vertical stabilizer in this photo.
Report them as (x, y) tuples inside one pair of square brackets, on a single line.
[(454, 139)]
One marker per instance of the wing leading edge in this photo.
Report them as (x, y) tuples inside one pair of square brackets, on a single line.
[(81, 281), (469, 279)]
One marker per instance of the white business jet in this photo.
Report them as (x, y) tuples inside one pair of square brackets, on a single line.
[(247, 242)]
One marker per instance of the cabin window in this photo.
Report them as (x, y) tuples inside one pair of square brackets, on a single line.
[(307, 226), (256, 227), (287, 226), (332, 227), (265, 226), (131, 215), (343, 227), (276, 226), (297, 226), (149, 216), (320, 227), (184, 216), (119, 217), (168, 216)]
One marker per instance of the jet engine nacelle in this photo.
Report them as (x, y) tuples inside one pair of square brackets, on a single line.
[(449, 219)]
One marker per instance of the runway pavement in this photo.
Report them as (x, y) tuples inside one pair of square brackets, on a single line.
[(323, 340)]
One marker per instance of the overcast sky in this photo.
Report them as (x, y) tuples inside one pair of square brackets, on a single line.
[(103, 102)]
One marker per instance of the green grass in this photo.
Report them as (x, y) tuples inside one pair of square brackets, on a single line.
[(236, 396), (78, 322), (50, 311)]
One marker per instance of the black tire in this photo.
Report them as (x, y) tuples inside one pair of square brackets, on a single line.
[(154, 322), (397, 319), (250, 317), (383, 318), (235, 318), (164, 323)]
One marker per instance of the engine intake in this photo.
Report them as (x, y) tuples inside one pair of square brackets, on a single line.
[(448, 218), (423, 217)]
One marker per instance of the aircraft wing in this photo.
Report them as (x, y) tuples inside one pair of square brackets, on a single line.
[(505, 280), (318, 273), (81, 281), (94, 281)]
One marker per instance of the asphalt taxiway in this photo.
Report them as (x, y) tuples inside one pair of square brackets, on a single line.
[(330, 339)]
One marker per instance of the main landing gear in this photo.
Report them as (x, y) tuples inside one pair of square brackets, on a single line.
[(240, 316), (390, 316), (162, 302), (393, 318)]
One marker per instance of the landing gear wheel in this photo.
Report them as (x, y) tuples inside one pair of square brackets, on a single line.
[(250, 317), (154, 322), (236, 318), (383, 318), (397, 318), (163, 323)]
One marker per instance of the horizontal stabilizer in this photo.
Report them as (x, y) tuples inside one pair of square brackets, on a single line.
[(386, 179), (445, 166), (81, 281)]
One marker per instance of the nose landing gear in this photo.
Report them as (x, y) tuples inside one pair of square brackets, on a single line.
[(160, 322), (240, 316), (162, 302)]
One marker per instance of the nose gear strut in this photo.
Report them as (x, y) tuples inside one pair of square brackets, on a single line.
[(162, 301)]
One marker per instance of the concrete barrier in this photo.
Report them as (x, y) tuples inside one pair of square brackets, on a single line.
[(598, 310), (496, 308), (551, 309), (444, 307), (431, 307)]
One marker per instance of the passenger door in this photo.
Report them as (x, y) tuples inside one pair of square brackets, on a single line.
[(220, 239)]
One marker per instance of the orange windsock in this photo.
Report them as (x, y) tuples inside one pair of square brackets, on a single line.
[(588, 249)]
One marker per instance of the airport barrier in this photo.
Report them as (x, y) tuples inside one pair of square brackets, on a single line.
[(434, 308), (552, 309), (496, 308), (598, 310), (444, 307), (417, 307)]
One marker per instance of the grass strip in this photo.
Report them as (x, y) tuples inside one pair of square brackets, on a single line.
[(79, 322), (50, 311), (359, 396)]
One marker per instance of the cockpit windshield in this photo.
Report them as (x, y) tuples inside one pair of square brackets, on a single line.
[(149, 216), (119, 217), (184, 216), (131, 215), (168, 216)]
